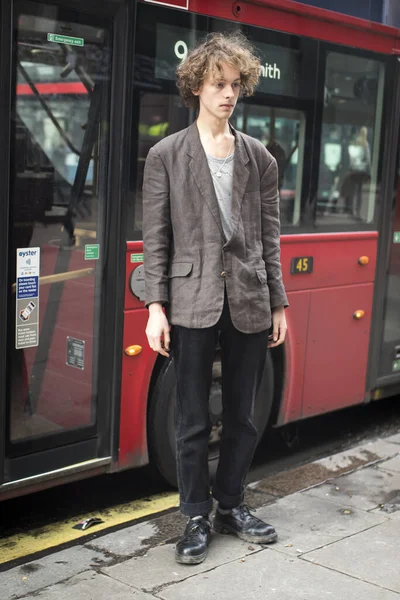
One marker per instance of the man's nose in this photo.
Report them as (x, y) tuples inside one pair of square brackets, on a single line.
[(229, 93)]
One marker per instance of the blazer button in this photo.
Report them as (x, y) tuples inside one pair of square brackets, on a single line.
[(223, 274)]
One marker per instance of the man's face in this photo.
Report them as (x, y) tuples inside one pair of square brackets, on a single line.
[(219, 93)]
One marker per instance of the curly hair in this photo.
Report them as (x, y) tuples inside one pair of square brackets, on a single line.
[(208, 56)]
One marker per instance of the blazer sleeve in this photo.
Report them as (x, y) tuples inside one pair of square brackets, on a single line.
[(271, 235), (156, 229)]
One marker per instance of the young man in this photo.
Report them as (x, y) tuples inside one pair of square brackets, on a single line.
[(212, 258)]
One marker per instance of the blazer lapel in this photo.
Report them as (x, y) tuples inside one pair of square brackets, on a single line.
[(201, 173), (240, 178)]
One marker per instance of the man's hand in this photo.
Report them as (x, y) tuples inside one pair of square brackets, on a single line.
[(279, 327), (157, 330)]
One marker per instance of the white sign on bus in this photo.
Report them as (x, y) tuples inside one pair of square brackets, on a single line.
[(268, 71)]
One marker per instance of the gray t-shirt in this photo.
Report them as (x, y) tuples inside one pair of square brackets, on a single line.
[(223, 179)]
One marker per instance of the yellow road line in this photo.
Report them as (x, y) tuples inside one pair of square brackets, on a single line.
[(53, 535)]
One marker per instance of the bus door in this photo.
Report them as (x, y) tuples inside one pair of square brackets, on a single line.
[(384, 376), (57, 415), (389, 356)]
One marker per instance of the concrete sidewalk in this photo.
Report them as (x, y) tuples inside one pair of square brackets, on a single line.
[(338, 538)]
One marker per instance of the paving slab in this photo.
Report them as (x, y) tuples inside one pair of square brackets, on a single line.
[(355, 506), (35, 575), (319, 471), (273, 576), (393, 439), (126, 542), (363, 454), (305, 523), (372, 556), (158, 567), (390, 515), (89, 586), (393, 464), (364, 489)]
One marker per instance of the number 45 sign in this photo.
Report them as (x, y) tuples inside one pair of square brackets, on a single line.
[(300, 265)]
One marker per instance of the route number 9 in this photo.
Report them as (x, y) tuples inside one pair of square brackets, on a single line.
[(181, 49)]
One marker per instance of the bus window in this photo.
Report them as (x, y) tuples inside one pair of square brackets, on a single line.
[(56, 115), (350, 141), (282, 133), (278, 114)]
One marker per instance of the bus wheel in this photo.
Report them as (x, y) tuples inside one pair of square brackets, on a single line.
[(161, 416)]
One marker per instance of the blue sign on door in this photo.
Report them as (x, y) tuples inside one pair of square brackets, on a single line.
[(27, 287)]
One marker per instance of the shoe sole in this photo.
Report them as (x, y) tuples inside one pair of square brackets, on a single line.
[(190, 560), (255, 539)]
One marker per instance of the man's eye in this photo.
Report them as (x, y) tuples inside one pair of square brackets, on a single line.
[(236, 85), (220, 85)]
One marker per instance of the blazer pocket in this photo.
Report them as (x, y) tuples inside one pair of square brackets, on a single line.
[(180, 269), (262, 276)]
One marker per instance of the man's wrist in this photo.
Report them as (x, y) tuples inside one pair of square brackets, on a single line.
[(155, 307), (278, 308)]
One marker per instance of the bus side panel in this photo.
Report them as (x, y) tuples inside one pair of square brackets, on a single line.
[(337, 348), (327, 348), (295, 356), (300, 19), (335, 259), (136, 375)]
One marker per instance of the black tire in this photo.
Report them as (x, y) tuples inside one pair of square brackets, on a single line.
[(161, 416)]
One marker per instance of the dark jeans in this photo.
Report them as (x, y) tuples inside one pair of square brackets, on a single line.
[(243, 359)]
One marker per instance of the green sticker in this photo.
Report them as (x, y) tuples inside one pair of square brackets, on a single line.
[(65, 39), (92, 251), (396, 237), (136, 258), (396, 366)]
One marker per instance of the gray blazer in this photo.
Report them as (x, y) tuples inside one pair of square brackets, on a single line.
[(187, 260)]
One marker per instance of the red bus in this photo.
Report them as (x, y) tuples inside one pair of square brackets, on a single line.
[(86, 91)]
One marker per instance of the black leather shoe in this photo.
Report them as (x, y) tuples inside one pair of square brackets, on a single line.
[(246, 526), (192, 548)]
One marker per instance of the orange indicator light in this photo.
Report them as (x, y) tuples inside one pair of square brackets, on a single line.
[(133, 350), (359, 314)]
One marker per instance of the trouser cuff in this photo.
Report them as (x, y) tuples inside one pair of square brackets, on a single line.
[(195, 509), (227, 501)]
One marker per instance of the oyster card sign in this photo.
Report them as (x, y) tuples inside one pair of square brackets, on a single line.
[(27, 298)]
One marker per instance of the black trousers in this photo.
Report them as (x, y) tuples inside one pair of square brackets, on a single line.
[(243, 359)]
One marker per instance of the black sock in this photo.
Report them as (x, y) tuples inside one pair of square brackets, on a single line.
[(222, 507)]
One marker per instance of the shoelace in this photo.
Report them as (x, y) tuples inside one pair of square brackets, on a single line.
[(246, 510), (198, 525)]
